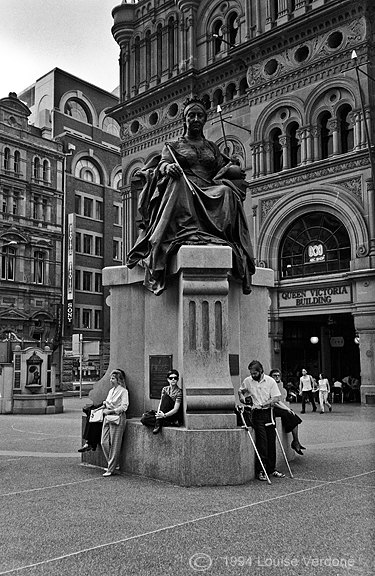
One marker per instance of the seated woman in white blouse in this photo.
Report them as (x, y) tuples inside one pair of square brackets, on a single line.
[(115, 406)]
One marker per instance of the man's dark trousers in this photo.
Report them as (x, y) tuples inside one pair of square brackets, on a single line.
[(265, 440)]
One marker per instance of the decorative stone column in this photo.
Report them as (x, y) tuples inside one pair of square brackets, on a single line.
[(189, 12), (122, 31), (364, 323), (203, 336)]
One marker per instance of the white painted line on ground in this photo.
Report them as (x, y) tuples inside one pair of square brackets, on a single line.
[(40, 454), (41, 488), (180, 524)]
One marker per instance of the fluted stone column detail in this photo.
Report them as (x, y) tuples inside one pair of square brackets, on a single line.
[(203, 335)]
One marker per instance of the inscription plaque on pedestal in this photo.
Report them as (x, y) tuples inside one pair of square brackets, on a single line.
[(159, 368)]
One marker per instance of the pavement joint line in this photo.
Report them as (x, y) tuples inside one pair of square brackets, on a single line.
[(40, 454), (41, 488), (178, 525)]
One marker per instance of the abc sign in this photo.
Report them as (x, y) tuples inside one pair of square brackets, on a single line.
[(316, 250)]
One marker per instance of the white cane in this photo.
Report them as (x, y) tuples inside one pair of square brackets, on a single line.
[(273, 423), (241, 410)]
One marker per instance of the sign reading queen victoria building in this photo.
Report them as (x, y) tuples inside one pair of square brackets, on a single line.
[(315, 296)]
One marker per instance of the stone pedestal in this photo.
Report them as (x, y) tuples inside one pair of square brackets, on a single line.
[(211, 331)]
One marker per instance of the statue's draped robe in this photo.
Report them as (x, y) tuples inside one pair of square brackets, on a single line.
[(172, 214)]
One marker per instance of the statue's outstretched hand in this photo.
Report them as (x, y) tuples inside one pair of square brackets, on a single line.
[(173, 170)]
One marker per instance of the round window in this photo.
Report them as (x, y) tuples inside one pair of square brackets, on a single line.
[(301, 54), (153, 118), (134, 127), (173, 109), (335, 39), (271, 67)]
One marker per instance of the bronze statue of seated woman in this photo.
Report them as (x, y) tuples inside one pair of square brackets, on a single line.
[(193, 195)]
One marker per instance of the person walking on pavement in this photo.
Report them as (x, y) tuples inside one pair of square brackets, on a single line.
[(306, 390), (323, 387), (262, 393)]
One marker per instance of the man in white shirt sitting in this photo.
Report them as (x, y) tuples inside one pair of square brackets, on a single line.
[(261, 392)]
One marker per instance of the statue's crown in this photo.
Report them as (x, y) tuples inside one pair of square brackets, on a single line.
[(194, 99)]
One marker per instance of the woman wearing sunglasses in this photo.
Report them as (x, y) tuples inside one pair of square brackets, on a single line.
[(170, 402), (169, 411)]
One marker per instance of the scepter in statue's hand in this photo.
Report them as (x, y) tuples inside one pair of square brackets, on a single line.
[(178, 164)]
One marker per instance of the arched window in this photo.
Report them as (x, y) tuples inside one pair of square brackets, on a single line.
[(77, 110), (206, 101), (117, 181), (8, 263), (277, 151), (294, 145), (326, 140), (46, 171), (217, 37), (230, 92), (87, 170), (6, 159), (36, 171), (316, 243), (171, 48), (39, 267), (345, 129), (111, 127), (243, 87), (217, 97), (17, 162), (232, 28)]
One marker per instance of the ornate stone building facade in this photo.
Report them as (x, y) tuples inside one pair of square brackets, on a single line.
[(297, 113), (31, 230)]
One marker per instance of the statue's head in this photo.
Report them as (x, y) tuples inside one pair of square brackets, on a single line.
[(192, 102)]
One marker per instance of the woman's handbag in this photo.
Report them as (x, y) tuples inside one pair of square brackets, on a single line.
[(96, 415), (113, 418)]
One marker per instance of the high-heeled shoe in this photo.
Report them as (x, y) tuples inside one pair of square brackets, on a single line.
[(298, 450), (302, 447)]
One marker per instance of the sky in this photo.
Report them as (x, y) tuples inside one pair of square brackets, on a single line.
[(74, 35)]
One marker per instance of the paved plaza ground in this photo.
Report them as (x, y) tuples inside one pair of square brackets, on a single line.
[(61, 518)]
